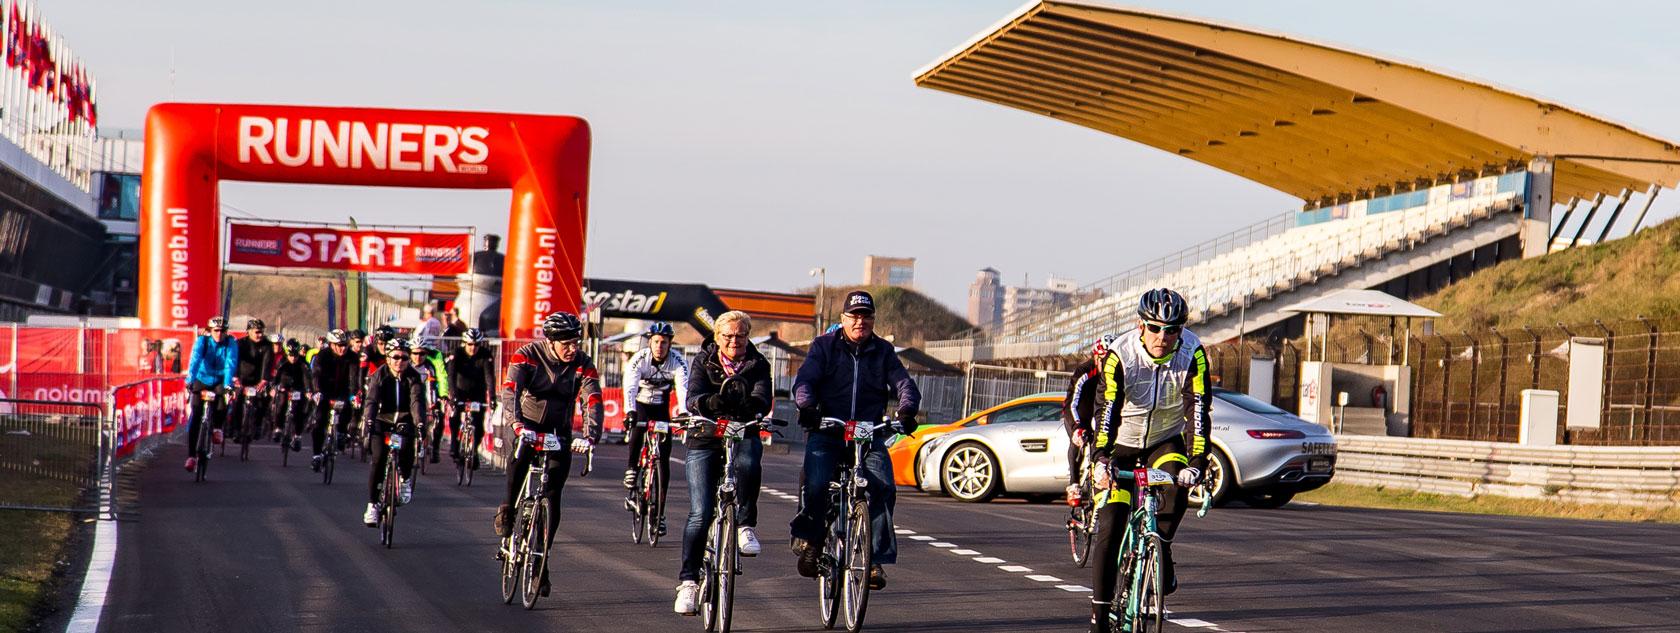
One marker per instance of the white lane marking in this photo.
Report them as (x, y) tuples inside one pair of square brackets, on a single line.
[(96, 581), (988, 560), (1304, 504), (903, 531), (1194, 623), (1043, 578), (964, 552), (1074, 588), (1015, 569), (943, 545), (920, 537)]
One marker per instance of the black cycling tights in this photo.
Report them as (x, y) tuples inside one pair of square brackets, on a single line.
[(1112, 517), (559, 465)]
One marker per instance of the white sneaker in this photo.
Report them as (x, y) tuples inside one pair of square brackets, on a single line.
[(405, 492), (371, 517), (688, 598), (749, 541)]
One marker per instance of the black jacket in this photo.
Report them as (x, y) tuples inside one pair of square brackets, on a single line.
[(471, 376), (401, 398), (335, 375), (1080, 402), (705, 386), (541, 390), (294, 376), (256, 361)]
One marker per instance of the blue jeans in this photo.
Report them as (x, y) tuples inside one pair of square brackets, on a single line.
[(823, 455), (705, 469)]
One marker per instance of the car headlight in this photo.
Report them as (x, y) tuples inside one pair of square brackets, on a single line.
[(934, 443)]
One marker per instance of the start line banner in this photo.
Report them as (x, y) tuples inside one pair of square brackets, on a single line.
[(347, 249)]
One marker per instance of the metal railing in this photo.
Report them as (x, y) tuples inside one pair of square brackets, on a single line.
[(53, 455)]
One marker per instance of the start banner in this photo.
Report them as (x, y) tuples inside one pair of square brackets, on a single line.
[(365, 251), (147, 408)]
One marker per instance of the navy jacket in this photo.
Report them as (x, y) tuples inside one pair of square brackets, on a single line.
[(854, 382)]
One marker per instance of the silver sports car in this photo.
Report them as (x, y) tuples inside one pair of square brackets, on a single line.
[(1261, 454)]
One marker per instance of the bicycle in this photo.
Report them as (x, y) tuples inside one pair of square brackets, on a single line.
[(249, 421), (206, 415), (291, 406), (390, 494), (466, 442), (647, 503), (524, 551), (1141, 591), (334, 437), (1082, 519), (722, 559), (848, 551)]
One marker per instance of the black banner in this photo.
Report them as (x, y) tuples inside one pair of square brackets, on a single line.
[(694, 304)]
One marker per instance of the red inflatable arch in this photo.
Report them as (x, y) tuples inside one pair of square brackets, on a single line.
[(192, 147)]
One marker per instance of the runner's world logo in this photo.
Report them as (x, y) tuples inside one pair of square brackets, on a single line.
[(357, 145), (261, 246)]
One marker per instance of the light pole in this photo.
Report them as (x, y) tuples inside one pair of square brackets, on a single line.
[(822, 289)]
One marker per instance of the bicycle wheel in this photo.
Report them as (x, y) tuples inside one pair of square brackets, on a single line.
[(1080, 530), (859, 553), (388, 496), (656, 508), (536, 551), (1148, 607), (513, 556), (327, 461), (829, 569), (472, 461), (203, 467)]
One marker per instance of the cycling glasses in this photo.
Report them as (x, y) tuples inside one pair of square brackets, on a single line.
[(1158, 328), (401, 358)]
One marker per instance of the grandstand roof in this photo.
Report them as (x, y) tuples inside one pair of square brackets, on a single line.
[(1315, 121)]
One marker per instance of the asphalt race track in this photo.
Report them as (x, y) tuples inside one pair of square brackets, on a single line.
[(265, 548)]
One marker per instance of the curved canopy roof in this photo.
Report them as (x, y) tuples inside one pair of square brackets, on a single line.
[(1311, 120)]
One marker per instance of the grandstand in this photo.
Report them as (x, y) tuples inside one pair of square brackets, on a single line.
[(1409, 176)]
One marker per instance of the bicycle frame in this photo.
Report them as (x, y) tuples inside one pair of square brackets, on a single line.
[(1141, 529), (848, 492), (722, 560)]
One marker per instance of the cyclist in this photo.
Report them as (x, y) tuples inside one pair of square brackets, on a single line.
[(1152, 379), (334, 375), (544, 380), (472, 372), (358, 389), (215, 357), (649, 378), (850, 374), (1077, 407), (431, 367), (291, 374), (731, 380), (396, 392), (256, 362)]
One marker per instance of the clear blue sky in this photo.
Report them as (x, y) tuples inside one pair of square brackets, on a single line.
[(794, 127)]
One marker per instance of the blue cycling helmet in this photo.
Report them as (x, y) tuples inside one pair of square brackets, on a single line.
[(659, 328)]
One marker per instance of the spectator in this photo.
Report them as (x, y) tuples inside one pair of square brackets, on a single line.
[(171, 356), (430, 328), (456, 327)]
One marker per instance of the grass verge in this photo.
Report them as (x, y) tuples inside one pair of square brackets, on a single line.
[(1390, 499), (33, 549)]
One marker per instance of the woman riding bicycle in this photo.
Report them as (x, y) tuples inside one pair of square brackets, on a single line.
[(1153, 377), (397, 392), (544, 381), (730, 381)]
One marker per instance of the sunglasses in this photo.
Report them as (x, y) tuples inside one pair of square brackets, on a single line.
[(400, 359), (1157, 328)]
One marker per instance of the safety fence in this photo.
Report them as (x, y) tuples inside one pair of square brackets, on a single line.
[(1644, 476)]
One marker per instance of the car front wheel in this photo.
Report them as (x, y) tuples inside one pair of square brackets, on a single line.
[(1220, 480), (969, 473)]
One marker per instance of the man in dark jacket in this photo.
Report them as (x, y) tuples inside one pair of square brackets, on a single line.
[(334, 373), (850, 374), (395, 403), (472, 371), (295, 382), (544, 382), (256, 363), (730, 380)]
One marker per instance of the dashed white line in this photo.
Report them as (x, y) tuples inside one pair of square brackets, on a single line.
[(988, 560), (1015, 569), (920, 537), (1074, 588), (903, 531), (964, 552), (1193, 623), (1043, 578), (943, 545)]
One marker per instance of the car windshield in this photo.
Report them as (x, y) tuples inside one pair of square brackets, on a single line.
[(1247, 402), (1028, 412)]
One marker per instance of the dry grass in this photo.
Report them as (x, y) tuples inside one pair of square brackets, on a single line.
[(33, 547), (1385, 498)]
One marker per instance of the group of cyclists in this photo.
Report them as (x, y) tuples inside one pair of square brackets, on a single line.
[(1141, 400), (255, 385)]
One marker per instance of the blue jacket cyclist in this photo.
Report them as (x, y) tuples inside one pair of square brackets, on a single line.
[(215, 356)]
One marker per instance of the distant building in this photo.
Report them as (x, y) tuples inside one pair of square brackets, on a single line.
[(985, 299), (1018, 300), (1059, 284), (889, 271)]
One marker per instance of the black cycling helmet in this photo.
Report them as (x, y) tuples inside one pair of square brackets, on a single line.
[(293, 346), (385, 332), (562, 326), (396, 345), (336, 337), (254, 324), (659, 328), (472, 335), (1163, 306), (358, 334), (216, 323)]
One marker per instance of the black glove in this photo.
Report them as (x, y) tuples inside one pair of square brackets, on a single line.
[(907, 422), (810, 419), (734, 393), (1199, 462)]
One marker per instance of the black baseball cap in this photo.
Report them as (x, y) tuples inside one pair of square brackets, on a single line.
[(858, 301)]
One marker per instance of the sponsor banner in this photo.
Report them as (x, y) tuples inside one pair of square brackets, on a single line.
[(345, 249), (145, 409), (694, 304)]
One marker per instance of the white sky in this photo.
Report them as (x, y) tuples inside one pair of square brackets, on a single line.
[(793, 128)]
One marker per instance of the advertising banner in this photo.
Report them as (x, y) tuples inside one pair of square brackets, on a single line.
[(145, 409), (365, 251)]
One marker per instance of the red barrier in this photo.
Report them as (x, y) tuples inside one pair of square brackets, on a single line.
[(192, 147), (70, 364), (145, 409)]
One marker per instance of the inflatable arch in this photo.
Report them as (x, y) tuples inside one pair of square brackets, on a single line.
[(190, 148)]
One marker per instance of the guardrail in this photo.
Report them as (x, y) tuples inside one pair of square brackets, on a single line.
[(1643, 476)]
